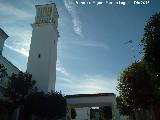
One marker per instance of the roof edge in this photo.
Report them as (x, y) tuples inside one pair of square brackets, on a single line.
[(90, 95)]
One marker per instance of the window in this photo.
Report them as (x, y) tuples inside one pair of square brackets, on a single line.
[(39, 55)]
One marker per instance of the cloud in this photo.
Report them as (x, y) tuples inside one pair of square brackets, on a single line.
[(18, 50), (70, 5), (15, 22), (86, 84), (61, 69), (90, 43), (95, 84), (10, 10), (19, 40)]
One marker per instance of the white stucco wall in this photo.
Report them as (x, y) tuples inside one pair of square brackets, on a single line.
[(43, 69), (82, 113), (10, 69), (95, 101), (3, 37)]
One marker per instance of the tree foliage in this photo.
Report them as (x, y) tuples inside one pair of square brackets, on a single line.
[(22, 93), (6, 109), (151, 42), (124, 108), (139, 84), (20, 86), (135, 88), (50, 106), (3, 71)]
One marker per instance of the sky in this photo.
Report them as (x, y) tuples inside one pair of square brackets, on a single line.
[(93, 47)]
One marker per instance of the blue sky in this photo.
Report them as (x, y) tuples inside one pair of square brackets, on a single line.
[(92, 48)]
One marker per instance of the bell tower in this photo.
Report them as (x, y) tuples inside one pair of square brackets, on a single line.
[(43, 48)]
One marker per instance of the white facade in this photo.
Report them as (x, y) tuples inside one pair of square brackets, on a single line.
[(43, 49), (10, 69), (82, 113), (3, 37), (94, 100), (7, 64)]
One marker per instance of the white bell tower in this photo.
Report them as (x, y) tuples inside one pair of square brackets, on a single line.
[(43, 48)]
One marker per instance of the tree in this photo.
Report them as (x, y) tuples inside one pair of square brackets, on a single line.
[(136, 90), (151, 43), (123, 108), (3, 72), (4, 106), (20, 86), (49, 106), (73, 113), (6, 109)]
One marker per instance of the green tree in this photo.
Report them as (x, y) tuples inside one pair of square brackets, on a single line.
[(4, 106), (20, 86), (151, 47), (3, 74), (6, 109), (3, 71), (48, 106), (151, 43), (136, 90), (123, 108)]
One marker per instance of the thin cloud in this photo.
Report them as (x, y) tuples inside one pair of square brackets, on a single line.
[(15, 21), (61, 69), (18, 50), (85, 84), (90, 43), (88, 84), (70, 5), (19, 39), (10, 10)]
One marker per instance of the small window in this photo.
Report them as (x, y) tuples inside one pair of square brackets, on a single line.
[(54, 41), (39, 55)]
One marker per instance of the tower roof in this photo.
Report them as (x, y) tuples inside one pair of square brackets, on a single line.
[(89, 95), (47, 13), (46, 4)]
